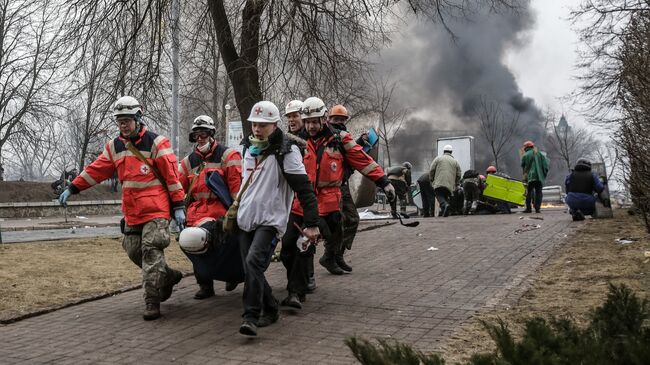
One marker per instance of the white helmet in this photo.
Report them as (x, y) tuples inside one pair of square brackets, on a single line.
[(293, 106), (264, 112), (194, 240), (203, 121), (127, 105), (448, 148), (313, 107)]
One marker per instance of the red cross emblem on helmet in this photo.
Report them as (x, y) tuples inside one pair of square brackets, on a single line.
[(258, 110)]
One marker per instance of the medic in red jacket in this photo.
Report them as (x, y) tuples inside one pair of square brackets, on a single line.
[(208, 157), (144, 198), (328, 151)]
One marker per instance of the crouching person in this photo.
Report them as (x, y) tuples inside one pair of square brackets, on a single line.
[(146, 166), (273, 171), (207, 203), (472, 187), (581, 185)]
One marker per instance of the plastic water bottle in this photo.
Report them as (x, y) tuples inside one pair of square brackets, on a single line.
[(302, 243)]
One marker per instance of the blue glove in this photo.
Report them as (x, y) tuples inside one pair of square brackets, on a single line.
[(63, 198), (179, 217)]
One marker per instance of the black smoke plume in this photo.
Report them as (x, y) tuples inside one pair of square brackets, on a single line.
[(445, 80)]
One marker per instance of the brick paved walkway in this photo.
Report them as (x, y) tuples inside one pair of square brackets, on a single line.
[(399, 289)]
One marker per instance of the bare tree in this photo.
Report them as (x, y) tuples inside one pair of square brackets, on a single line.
[(497, 127), (205, 85), (567, 144), (311, 40), (32, 48), (609, 154), (35, 148), (390, 120)]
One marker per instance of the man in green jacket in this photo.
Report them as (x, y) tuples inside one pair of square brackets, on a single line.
[(535, 168)]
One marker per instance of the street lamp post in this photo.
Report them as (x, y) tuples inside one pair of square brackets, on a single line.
[(226, 121)]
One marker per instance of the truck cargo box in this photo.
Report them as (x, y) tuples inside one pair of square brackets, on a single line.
[(505, 189)]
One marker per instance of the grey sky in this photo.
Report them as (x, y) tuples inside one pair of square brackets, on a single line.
[(545, 66)]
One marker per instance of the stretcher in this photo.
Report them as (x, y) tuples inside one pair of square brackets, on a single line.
[(505, 189)]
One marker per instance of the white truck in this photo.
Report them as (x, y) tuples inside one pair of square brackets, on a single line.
[(463, 150), (463, 147)]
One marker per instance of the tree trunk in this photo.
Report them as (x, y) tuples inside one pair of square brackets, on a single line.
[(388, 154), (241, 67)]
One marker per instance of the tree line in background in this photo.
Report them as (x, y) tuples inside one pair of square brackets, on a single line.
[(63, 63), (616, 85)]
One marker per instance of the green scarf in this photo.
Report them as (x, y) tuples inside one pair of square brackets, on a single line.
[(257, 145)]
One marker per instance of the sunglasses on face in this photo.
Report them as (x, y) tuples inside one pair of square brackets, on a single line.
[(124, 121), (200, 134)]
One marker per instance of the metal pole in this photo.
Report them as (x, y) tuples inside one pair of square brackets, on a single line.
[(175, 73)]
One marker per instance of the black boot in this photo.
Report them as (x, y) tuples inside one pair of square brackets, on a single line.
[(151, 311), (328, 262), (291, 302), (311, 285), (231, 285), (173, 277), (205, 291), (578, 216), (341, 262)]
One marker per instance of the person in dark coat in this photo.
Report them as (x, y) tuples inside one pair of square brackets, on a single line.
[(428, 195), (581, 185)]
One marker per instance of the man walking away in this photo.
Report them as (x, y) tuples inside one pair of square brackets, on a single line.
[(427, 195), (535, 168), (272, 171), (146, 166), (400, 178), (444, 176)]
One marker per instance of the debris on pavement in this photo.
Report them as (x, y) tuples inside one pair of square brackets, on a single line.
[(370, 214), (533, 217), (625, 240), (527, 228)]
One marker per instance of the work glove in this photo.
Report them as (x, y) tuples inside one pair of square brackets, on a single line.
[(389, 190), (179, 217), (63, 198)]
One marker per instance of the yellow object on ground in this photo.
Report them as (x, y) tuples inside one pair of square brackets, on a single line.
[(505, 189)]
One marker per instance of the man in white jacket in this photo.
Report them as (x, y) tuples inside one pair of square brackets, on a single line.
[(275, 164), (444, 176)]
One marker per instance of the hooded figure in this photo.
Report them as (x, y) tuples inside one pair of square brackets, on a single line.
[(581, 185)]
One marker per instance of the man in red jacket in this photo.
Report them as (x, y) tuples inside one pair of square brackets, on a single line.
[(208, 157), (328, 151), (150, 190)]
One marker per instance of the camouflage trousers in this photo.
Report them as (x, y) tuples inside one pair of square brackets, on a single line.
[(350, 218), (145, 245)]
